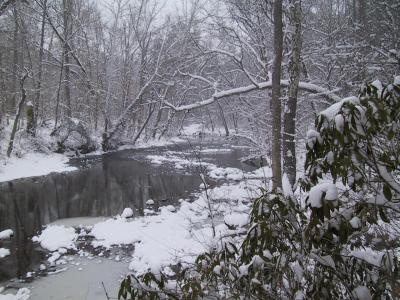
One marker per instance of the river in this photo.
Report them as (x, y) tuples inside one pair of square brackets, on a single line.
[(101, 187)]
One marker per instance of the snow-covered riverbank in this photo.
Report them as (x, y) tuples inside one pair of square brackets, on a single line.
[(33, 164), (33, 157), (165, 237)]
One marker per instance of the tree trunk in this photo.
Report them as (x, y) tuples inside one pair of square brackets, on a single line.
[(58, 92), (18, 114), (67, 72), (276, 109), (289, 123), (151, 110), (39, 81), (221, 112), (13, 99)]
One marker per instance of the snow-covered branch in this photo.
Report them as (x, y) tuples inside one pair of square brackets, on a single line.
[(305, 86)]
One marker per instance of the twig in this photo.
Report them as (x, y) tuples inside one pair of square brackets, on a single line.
[(105, 291)]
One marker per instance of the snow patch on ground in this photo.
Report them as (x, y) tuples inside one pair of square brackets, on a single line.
[(178, 235), (215, 150), (33, 164), (194, 129), (152, 143), (4, 252), (179, 162), (56, 236), (6, 234), (159, 239), (237, 219), (22, 294), (213, 171)]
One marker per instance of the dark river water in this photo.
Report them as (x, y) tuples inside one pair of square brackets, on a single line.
[(103, 186)]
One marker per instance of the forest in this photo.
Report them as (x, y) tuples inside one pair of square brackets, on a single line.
[(310, 87)]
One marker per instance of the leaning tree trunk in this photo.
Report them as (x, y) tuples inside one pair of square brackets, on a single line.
[(18, 114), (151, 110), (221, 112), (276, 109), (289, 122)]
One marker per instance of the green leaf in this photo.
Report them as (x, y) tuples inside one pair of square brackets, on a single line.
[(387, 192), (383, 215)]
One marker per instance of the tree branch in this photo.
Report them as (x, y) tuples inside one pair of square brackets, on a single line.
[(305, 86)]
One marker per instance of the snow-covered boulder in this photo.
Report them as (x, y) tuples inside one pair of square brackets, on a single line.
[(150, 202), (4, 252), (56, 236), (6, 234), (127, 213)]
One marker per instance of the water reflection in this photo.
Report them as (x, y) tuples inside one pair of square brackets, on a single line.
[(102, 187)]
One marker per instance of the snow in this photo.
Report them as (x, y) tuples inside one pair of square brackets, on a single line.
[(170, 236), (171, 208), (310, 87), (192, 129), (55, 237), (331, 112), (330, 157), (339, 123), (370, 256), (286, 186), (312, 137), (33, 164), (226, 173), (150, 202), (153, 143), (237, 219), (127, 213), (6, 234), (378, 86), (355, 222), (316, 192), (397, 80), (22, 294), (215, 150), (162, 238), (4, 252), (179, 163)]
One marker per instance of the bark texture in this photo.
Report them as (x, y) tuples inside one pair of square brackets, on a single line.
[(276, 109), (289, 123)]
